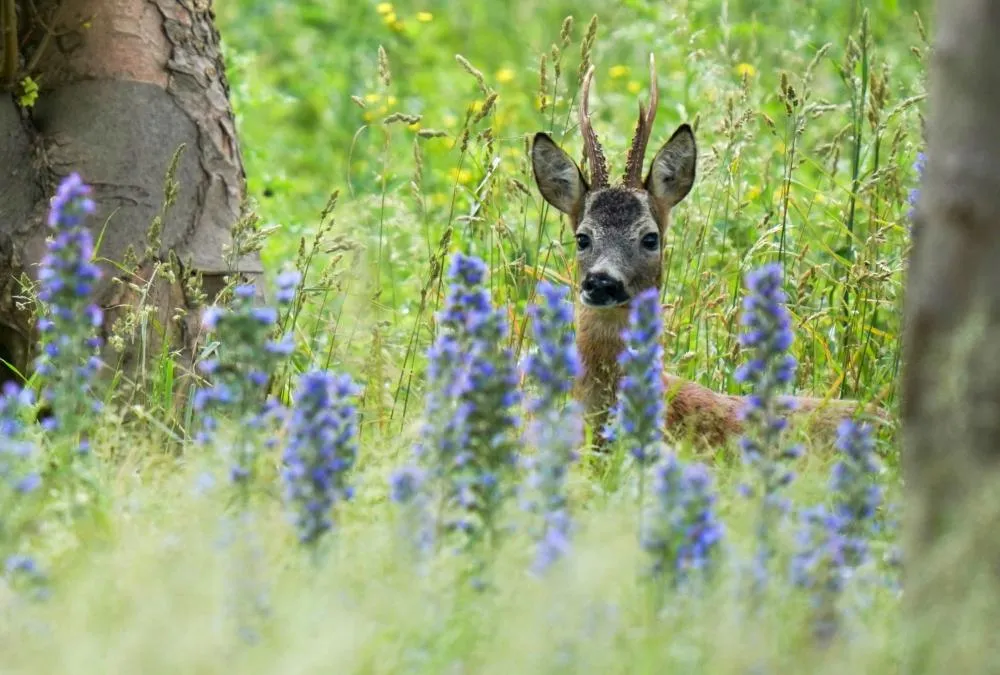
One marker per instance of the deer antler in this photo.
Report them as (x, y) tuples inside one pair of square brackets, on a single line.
[(591, 146), (636, 153)]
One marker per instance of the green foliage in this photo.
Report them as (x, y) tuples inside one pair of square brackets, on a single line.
[(416, 117), (806, 142), (28, 94)]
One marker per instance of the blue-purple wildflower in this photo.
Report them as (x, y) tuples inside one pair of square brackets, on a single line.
[(237, 419), (247, 357), (23, 573), (556, 428), (555, 365), (17, 449), (468, 444), (819, 564), (321, 451), (19, 480), (767, 337), (434, 455), (639, 414), (857, 494), (70, 318), (287, 283), (410, 488), (834, 542), (405, 484), (487, 399), (681, 531)]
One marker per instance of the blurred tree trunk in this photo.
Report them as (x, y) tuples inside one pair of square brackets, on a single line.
[(123, 85), (951, 385)]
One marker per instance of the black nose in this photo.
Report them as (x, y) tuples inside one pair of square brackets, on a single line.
[(603, 289)]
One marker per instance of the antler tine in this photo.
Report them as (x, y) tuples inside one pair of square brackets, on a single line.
[(591, 146), (637, 152)]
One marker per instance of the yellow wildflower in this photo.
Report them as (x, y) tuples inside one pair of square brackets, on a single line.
[(373, 98), (633, 87), (617, 72), (424, 17), (383, 8), (505, 75), (745, 70), (389, 19), (753, 193), (391, 100), (463, 176)]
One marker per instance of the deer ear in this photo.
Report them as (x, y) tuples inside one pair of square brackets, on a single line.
[(558, 177), (672, 171)]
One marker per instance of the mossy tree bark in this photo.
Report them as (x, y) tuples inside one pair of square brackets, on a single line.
[(951, 385), (124, 85)]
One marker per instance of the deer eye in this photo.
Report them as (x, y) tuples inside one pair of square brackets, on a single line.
[(651, 241), (582, 242)]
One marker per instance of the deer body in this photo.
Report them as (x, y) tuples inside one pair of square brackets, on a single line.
[(693, 410), (619, 231)]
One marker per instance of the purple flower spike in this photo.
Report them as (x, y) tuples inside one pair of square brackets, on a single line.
[(639, 414), (766, 339), (556, 428), (321, 450), (70, 319)]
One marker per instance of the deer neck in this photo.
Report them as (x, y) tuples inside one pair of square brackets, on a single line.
[(599, 342)]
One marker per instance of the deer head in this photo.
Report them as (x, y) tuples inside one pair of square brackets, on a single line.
[(618, 228)]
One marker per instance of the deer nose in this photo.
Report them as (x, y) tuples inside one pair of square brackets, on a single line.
[(601, 289)]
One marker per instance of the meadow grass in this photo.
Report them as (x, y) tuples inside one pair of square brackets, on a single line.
[(379, 139), (807, 135)]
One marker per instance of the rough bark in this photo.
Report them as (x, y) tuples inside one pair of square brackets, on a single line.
[(124, 84), (951, 381)]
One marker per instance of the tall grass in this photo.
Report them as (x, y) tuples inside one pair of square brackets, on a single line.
[(379, 139), (806, 145)]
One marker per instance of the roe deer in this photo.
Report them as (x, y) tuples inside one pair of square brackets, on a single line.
[(619, 234)]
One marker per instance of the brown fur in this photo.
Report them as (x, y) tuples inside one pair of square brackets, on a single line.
[(693, 411), (614, 226)]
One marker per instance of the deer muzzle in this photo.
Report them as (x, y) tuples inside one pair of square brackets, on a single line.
[(601, 289)]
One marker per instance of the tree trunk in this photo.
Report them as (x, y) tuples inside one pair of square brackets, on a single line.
[(951, 385), (124, 86)]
